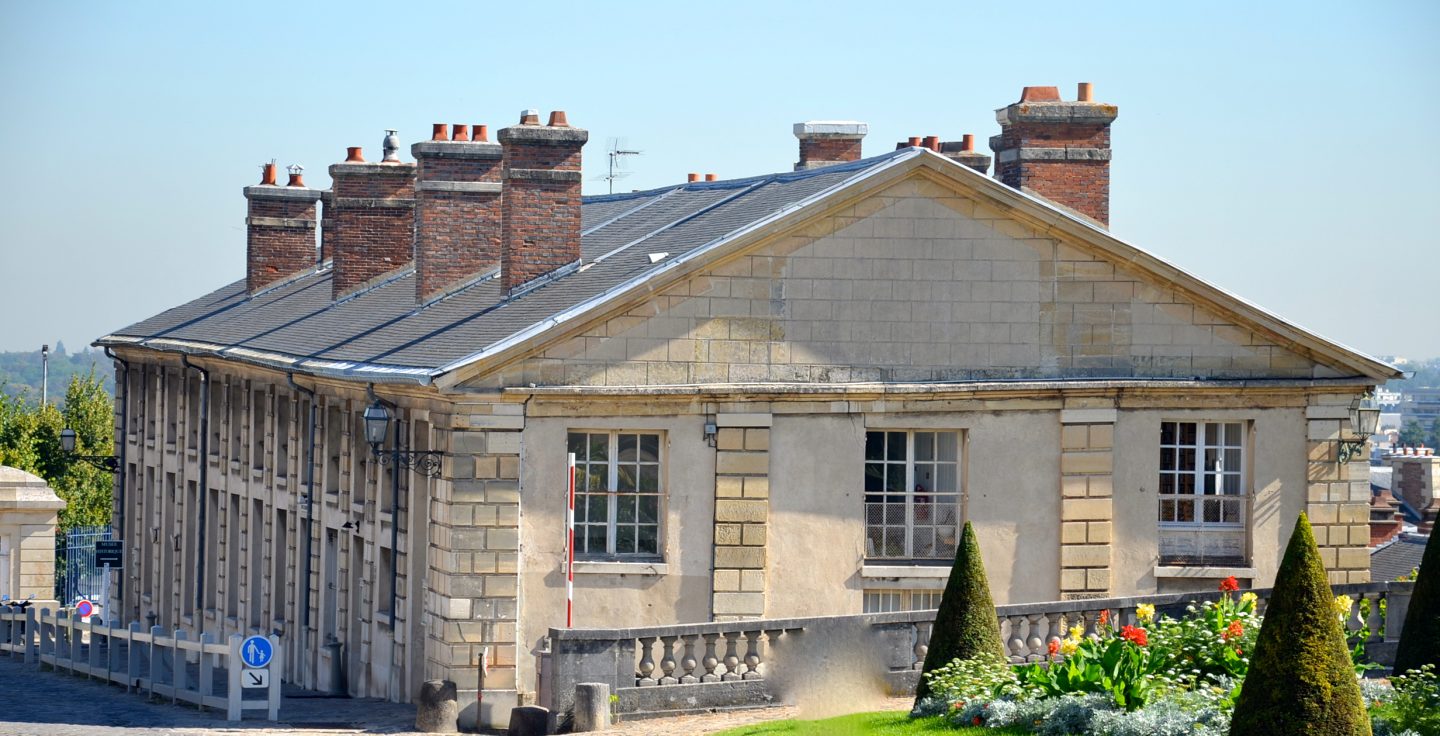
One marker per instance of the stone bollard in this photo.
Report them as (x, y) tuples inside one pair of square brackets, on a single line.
[(592, 706), (437, 709), (529, 720)]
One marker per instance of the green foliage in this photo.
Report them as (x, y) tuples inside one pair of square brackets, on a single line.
[(1214, 640), (966, 626), (1414, 705), (1300, 679), (894, 723), (1412, 434), (1123, 666), (21, 372), (1420, 639), (30, 441), (984, 677)]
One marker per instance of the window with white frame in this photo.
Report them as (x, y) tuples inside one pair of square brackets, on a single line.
[(887, 601), (1202, 492), (617, 493), (912, 492)]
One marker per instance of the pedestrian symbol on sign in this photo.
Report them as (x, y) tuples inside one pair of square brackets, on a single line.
[(256, 651)]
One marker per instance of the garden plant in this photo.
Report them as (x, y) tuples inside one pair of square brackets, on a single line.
[(965, 626), (1420, 639)]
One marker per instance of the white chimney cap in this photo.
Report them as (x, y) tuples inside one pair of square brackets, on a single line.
[(848, 128)]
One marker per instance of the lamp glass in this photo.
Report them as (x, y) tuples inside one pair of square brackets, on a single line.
[(377, 421), (67, 439), (1367, 420)]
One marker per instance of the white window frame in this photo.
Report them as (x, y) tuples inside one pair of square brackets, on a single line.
[(910, 493), (612, 523), (890, 600), (1197, 541)]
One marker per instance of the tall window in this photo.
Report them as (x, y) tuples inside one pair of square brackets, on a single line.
[(1202, 493), (912, 487), (617, 493), (887, 601)]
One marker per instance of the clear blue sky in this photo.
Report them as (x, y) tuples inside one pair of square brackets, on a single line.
[(1283, 151)]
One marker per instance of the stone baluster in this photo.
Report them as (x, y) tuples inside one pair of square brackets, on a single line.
[(1034, 643), (732, 656), (752, 655), (1016, 643), (687, 660), (711, 662), (667, 660), (923, 631), (772, 636), (1375, 621), (1045, 631), (647, 662)]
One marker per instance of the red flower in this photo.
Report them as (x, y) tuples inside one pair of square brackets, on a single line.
[(1229, 585), (1135, 635), (1234, 631), (1239, 653), (1054, 647), (976, 720), (1105, 617)]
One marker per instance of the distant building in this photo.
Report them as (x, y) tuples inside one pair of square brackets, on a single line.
[(1420, 405)]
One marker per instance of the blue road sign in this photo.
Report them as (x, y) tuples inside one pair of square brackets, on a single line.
[(256, 651)]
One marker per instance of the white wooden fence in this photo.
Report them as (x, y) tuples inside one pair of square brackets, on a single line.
[(160, 663)]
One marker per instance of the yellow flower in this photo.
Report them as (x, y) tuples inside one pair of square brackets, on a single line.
[(1068, 647), (1342, 606), (1248, 597), (1145, 613), (1077, 631)]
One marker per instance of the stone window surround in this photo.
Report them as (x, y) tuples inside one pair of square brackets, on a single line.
[(1167, 569)]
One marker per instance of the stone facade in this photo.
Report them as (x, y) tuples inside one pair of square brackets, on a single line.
[(29, 513)]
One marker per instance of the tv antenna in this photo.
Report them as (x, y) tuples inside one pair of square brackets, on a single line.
[(617, 153)]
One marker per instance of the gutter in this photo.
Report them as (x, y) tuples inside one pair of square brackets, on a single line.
[(204, 492), (120, 474), (304, 613)]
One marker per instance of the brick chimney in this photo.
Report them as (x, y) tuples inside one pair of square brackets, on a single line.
[(829, 142), (1057, 150), (280, 229), (457, 209), (963, 151), (371, 212), (540, 206)]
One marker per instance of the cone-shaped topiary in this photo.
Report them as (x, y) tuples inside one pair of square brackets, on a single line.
[(966, 625), (1301, 681), (1420, 639)]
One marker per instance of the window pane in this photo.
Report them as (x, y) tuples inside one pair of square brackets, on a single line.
[(1232, 434), (1212, 434), (1167, 510), (1187, 483), (650, 448), (1212, 511), (650, 478), (1184, 510), (945, 480), (1187, 458), (628, 451), (1212, 459), (1187, 433), (1232, 484), (1209, 483), (895, 478), (874, 445), (649, 540), (625, 509), (948, 443), (599, 509), (595, 539), (874, 478), (1167, 458), (575, 442), (625, 479), (599, 447), (1167, 483), (1232, 460), (649, 509), (895, 446), (625, 539), (1167, 433), (924, 446)]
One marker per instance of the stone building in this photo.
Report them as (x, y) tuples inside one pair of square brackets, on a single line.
[(29, 515), (783, 393)]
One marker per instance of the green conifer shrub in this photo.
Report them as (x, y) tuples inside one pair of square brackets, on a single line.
[(1420, 639), (965, 626), (1301, 682)]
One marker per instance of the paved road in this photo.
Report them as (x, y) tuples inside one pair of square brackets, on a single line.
[(35, 702)]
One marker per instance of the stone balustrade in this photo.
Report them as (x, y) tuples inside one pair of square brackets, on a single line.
[(695, 667)]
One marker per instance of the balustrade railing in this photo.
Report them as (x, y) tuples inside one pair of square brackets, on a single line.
[(684, 667)]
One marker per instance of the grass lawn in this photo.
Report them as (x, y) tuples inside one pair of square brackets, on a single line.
[(889, 723)]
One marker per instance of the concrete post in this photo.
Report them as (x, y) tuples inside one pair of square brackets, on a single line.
[(437, 709), (530, 720), (592, 707)]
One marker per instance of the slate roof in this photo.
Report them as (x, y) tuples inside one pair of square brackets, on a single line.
[(1397, 557), (381, 333)]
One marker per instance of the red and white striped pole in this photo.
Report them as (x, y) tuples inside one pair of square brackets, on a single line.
[(570, 550)]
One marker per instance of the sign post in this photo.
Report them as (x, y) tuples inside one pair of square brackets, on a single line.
[(570, 550), (250, 660), (110, 553)]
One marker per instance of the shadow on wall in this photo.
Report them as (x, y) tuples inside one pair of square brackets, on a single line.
[(829, 671)]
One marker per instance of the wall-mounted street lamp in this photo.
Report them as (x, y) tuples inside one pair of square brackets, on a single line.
[(377, 425), (103, 462), (1364, 418)]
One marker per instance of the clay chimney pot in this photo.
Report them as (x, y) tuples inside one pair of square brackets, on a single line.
[(694, 177), (931, 142), (267, 174), (438, 132), (967, 142), (482, 134), (557, 119), (461, 132), (353, 155), (711, 177), (1086, 92), (1040, 94), (530, 117)]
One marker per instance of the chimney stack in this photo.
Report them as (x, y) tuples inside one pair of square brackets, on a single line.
[(279, 229), (457, 210), (1057, 150), (829, 142), (540, 204), (371, 211), (963, 152)]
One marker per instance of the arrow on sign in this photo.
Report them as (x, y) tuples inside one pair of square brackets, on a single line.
[(255, 678)]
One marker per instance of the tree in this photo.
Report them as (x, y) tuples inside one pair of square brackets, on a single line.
[(965, 626), (1434, 433), (1420, 639), (1301, 680), (1412, 434), (30, 441)]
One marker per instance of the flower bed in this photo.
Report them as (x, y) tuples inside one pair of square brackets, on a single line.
[(1160, 675)]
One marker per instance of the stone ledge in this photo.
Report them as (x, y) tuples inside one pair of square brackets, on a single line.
[(1075, 113), (485, 187), (457, 149), (591, 567), (844, 129), (270, 191), (286, 222), (543, 134), (1030, 153), (543, 175), (1178, 571), (394, 203), (905, 571), (350, 167)]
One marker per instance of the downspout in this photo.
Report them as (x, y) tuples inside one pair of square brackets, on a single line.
[(120, 473), (309, 520), (394, 504), (204, 491)]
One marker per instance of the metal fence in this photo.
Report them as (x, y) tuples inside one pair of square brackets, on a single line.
[(76, 575)]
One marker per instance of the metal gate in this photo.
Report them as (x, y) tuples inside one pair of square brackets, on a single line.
[(77, 576)]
